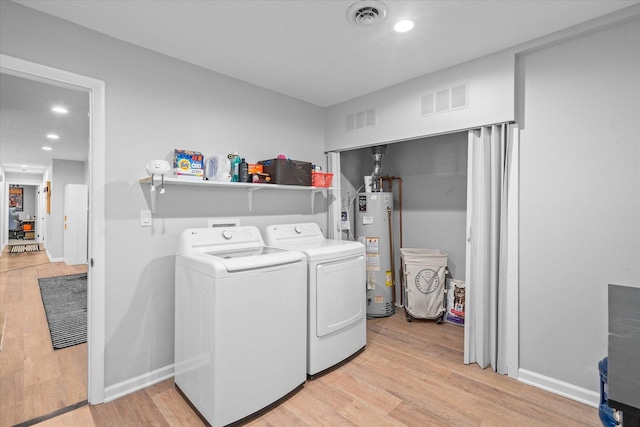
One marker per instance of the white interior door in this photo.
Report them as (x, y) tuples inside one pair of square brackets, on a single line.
[(75, 224)]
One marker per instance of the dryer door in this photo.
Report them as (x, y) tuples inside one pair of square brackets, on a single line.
[(341, 294)]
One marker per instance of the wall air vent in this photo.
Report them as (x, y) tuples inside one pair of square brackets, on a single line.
[(370, 118), (351, 123), (458, 97), (443, 100), (360, 120)]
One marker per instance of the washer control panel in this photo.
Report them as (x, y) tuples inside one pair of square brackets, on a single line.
[(286, 234), (310, 229), (201, 240), (233, 234)]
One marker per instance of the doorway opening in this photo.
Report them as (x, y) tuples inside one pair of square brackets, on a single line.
[(23, 226), (95, 177), (437, 181)]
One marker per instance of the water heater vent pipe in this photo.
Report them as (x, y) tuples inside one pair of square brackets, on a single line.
[(377, 152)]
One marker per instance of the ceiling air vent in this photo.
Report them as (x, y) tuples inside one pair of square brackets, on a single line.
[(367, 12)]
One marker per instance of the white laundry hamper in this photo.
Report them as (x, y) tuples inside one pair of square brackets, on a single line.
[(424, 283)]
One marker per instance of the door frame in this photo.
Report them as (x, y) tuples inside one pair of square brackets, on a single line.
[(97, 148), (4, 206)]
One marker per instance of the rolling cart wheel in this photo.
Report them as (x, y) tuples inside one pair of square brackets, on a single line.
[(439, 320), (408, 317)]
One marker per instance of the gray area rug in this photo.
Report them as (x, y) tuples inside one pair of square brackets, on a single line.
[(65, 304)]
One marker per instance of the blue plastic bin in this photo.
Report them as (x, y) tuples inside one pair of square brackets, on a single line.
[(604, 411)]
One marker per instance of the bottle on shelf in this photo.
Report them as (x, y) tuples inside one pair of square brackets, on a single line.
[(235, 164), (244, 171)]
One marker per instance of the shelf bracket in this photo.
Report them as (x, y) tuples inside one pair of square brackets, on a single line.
[(250, 191), (152, 197), (313, 196)]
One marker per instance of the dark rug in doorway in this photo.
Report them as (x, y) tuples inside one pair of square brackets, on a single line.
[(18, 249), (65, 304)]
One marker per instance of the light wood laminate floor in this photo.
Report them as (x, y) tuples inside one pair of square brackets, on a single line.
[(410, 374), (34, 379)]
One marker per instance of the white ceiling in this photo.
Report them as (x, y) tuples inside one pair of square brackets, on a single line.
[(26, 119), (308, 49)]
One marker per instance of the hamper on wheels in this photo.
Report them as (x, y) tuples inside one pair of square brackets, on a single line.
[(424, 274)]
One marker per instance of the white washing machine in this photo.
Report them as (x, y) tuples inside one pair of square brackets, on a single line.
[(337, 292), (240, 322)]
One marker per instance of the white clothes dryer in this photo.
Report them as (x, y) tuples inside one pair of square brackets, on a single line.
[(336, 278), (240, 316)]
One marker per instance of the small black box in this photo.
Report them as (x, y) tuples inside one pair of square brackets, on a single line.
[(288, 172)]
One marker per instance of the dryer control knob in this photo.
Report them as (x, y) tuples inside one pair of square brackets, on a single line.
[(297, 229), (227, 235)]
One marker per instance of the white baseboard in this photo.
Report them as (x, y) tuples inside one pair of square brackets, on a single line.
[(561, 388), (52, 259), (134, 384)]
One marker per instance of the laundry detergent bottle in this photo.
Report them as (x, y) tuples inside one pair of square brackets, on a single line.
[(235, 160)]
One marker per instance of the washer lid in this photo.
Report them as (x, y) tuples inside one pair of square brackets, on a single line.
[(308, 238), (253, 258), (330, 249), (326, 249)]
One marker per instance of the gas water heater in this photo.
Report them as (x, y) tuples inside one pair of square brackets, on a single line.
[(374, 224)]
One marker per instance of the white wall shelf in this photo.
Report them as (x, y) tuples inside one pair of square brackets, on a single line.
[(249, 187)]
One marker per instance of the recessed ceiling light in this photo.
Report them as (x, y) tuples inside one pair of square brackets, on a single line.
[(404, 26), (59, 109), (47, 148), (24, 166), (52, 136)]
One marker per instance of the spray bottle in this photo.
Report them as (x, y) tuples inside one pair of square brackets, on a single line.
[(235, 162)]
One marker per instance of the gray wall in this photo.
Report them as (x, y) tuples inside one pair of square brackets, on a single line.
[(579, 197), (580, 163), (155, 104), (434, 193), (578, 104)]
